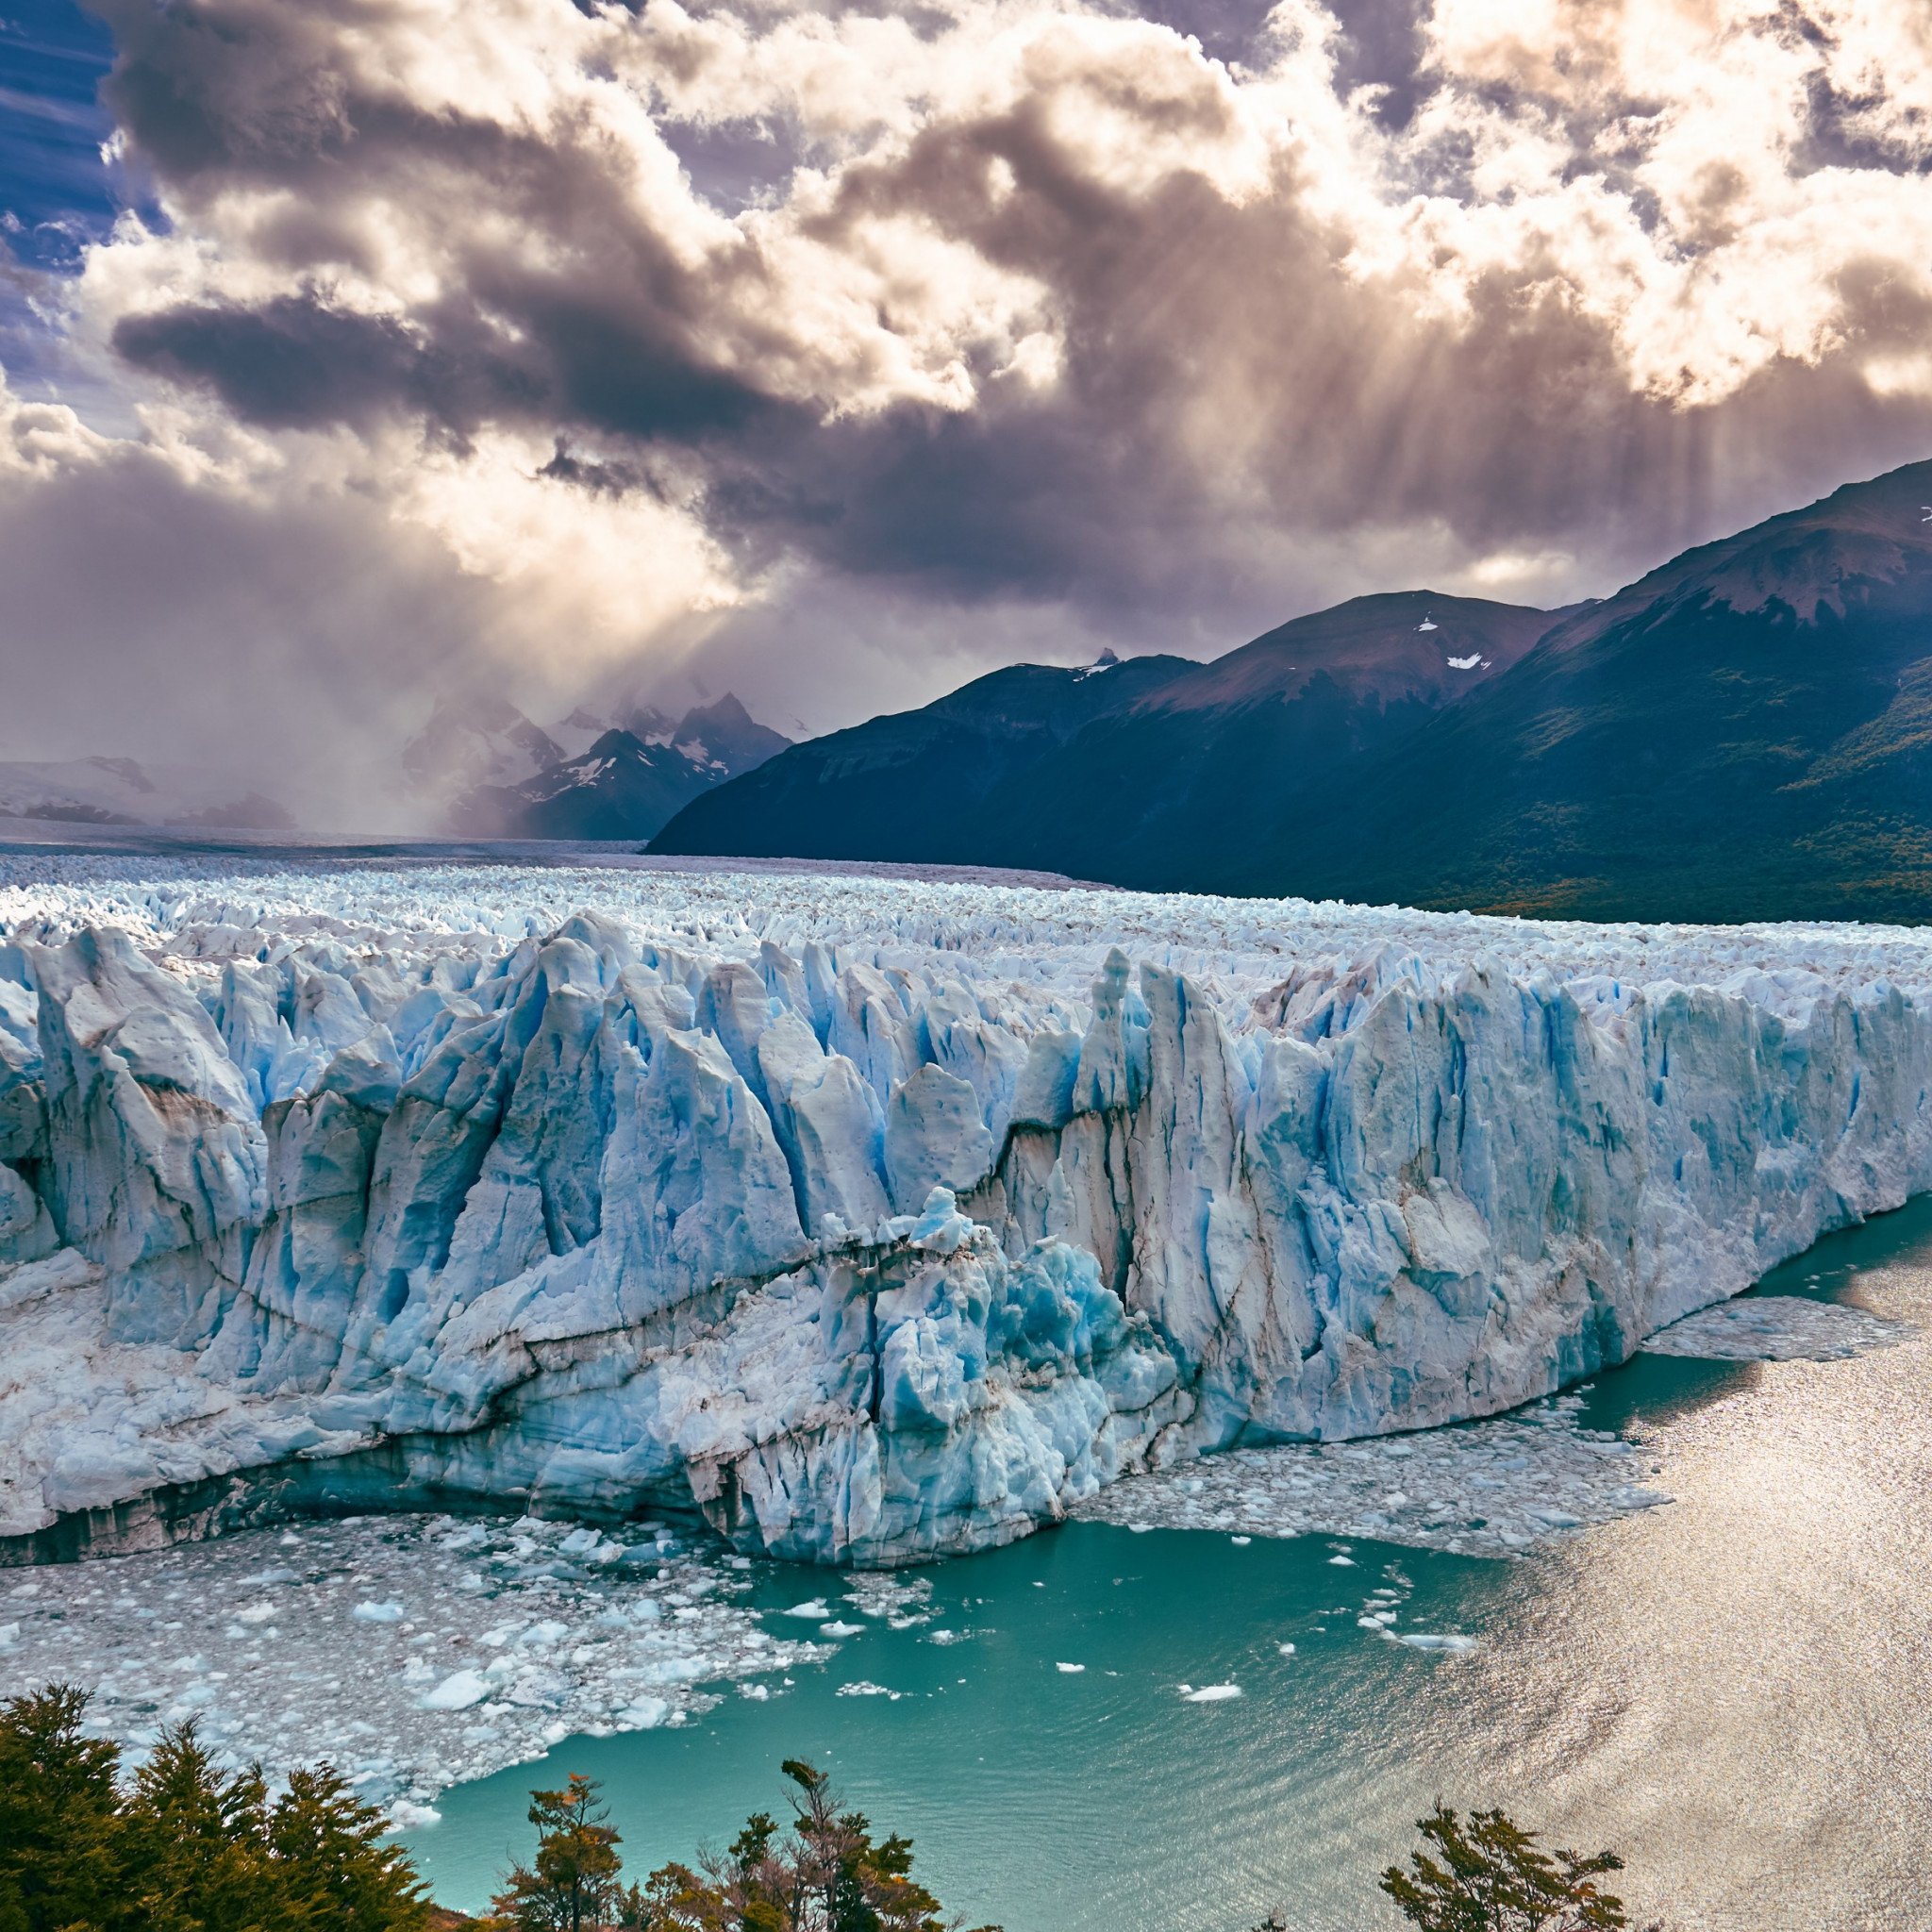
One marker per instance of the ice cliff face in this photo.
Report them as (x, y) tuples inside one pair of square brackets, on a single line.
[(866, 1250)]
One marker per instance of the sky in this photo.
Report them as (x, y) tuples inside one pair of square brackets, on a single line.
[(361, 351)]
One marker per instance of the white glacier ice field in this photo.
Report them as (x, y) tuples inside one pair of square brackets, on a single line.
[(868, 1218)]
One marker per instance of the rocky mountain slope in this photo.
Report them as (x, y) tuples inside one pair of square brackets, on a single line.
[(1745, 733)]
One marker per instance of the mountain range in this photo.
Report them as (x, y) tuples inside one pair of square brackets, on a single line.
[(1745, 732), (119, 792), (591, 776)]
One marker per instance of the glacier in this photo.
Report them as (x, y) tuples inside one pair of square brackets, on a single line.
[(868, 1217)]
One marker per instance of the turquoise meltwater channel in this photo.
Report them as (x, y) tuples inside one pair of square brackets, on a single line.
[(1733, 1691)]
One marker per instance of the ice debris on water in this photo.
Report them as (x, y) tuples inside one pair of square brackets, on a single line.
[(1495, 1487), (899, 1216), (1778, 1328), (509, 1635), (1209, 1693)]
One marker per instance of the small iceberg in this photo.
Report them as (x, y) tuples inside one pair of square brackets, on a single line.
[(457, 1692)]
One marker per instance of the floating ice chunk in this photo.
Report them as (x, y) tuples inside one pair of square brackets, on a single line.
[(838, 1629), (457, 1692), (1777, 1329), (255, 1614), (1468, 663), (391, 1612), (406, 1814), (864, 1687), (1240, 1542), (818, 1609), (1422, 1639), (1071, 1669), (1345, 1563), (1286, 1649), (645, 1714), (1209, 1693)]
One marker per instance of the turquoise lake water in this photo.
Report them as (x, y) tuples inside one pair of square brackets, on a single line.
[(1734, 1692)]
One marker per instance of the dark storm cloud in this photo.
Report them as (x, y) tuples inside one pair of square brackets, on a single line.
[(1342, 407), (295, 362), (1340, 413)]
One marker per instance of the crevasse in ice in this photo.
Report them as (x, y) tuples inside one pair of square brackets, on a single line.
[(341, 1189)]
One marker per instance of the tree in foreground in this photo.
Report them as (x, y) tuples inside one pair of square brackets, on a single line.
[(186, 1847), (572, 1884), (827, 1872), (60, 1857), (1488, 1874)]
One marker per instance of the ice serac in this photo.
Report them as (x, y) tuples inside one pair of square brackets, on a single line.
[(869, 1251)]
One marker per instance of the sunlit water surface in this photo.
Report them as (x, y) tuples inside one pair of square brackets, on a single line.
[(1733, 1690)]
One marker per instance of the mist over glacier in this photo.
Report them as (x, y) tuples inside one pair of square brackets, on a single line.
[(868, 1218)]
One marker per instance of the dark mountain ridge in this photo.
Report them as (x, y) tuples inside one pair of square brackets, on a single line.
[(1120, 769), (1744, 733)]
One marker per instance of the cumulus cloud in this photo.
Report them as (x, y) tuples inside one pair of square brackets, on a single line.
[(837, 352)]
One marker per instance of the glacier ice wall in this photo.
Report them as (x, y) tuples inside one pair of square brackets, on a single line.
[(865, 1249)]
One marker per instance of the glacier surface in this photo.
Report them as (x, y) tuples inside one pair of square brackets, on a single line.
[(868, 1217)]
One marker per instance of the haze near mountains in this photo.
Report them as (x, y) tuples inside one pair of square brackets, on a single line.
[(1745, 732)]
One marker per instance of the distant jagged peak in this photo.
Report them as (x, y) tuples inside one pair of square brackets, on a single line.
[(719, 733), (127, 770), (725, 737), (476, 738)]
